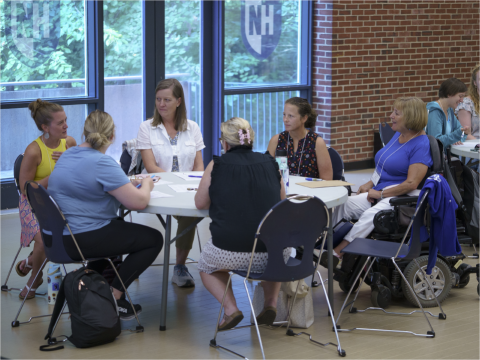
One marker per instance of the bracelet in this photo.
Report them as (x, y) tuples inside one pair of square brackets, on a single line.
[(381, 194)]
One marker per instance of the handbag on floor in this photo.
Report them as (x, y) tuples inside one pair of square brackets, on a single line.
[(93, 309), (302, 312)]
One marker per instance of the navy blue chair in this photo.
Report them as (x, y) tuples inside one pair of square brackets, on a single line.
[(294, 222), (16, 177), (372, 249), (386, 132), (51, 220)]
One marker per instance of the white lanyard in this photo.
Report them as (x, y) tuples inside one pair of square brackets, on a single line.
[(303, 146), (381, 171)]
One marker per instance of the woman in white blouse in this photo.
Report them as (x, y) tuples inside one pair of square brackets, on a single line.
[(168, 143)]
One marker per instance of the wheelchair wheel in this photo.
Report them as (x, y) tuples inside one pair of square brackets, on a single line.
[(440, 280), (345, 287)]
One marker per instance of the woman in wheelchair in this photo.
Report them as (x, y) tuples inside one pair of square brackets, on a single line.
[(399, 169), (306, 151), (239, 188)]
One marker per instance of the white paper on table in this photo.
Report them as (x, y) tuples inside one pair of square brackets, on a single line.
[(162, 182), (196, 176), (158, 194), (184, 187)]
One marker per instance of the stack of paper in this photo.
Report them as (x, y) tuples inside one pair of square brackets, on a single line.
[(184, 187), (158, 194)]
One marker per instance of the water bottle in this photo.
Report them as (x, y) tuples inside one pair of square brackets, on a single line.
[(284, 172), (54, 276), (279, 154)]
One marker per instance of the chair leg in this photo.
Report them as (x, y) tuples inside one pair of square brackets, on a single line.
[(341, 352), (442, 315), (15, 322), (4, 286), (139, 327), (348, 295), (432, 332), (254, 317)]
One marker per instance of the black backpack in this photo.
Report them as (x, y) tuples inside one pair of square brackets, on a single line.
[(93, 309)]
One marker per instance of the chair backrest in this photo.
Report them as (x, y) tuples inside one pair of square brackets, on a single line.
[(337, 164), (125, 161), (51, 219), (415, 246), (16, 172), (436, 151), (292, 223), (386, 132)]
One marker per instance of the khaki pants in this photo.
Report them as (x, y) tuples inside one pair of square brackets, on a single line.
[(186, 241)]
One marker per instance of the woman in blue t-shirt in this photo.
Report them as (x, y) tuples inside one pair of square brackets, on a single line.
[(399, 168), (89, 187)]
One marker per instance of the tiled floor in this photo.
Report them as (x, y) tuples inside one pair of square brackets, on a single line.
[(192, 314)]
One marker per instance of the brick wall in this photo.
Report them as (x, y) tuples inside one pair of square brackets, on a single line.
[(381, 50)]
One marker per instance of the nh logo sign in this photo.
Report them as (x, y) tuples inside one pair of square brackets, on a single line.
[(33, 30), (261, 26)]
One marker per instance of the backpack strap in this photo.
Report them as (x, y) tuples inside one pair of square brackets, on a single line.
[(53, 341)]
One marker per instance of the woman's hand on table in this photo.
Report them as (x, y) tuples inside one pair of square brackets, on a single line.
[(373, 195), (467, 130), (148, 183), (458, 143), (365, 187)]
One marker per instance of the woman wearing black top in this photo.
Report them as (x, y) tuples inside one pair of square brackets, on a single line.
[(239, 188)]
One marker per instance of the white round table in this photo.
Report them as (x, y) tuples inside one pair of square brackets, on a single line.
[(464, 150), (183, 204)]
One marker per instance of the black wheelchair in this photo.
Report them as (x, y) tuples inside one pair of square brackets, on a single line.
[(391, 225)]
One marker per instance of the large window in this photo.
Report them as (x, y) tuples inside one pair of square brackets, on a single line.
[(43, 49), (123, 65), (261, 43), (182, 51), (266, 61)]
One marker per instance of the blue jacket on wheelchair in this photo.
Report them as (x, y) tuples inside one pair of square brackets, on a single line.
[(443, 228)]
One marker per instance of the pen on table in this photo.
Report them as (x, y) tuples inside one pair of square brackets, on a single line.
[(195, 176), (139, 185), (194, 189), (313, 179)]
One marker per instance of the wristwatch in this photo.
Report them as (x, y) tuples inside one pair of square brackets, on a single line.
[(381, 194)]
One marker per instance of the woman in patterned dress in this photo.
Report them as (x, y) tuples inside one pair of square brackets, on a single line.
[(37, 164), (238, 188), (306, 151), (468, 110), (170, 143)]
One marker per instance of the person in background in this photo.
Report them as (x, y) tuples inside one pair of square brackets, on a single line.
[(170, 143), (469, 109), (38, 163), (89, 187), (399, 169), (442, 122), (238, 188), (306, 151)]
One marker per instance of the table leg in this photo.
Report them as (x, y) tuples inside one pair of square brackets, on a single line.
[(166, 261), (330, 260)]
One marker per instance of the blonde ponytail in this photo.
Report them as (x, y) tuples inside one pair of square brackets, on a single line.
[(99, 127)]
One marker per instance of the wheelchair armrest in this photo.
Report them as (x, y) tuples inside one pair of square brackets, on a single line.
[(404, 200)]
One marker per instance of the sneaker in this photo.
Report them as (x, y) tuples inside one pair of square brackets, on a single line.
[(182, 277), (125, 310)]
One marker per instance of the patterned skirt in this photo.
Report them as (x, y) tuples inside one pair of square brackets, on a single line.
[(213, 259), (30, 227)]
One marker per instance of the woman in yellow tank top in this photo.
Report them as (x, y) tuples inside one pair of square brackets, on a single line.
[(37, 164)]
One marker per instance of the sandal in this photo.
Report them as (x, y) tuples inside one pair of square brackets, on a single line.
[(267, 316), (231, 320), (30, 291), (17, 267)]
